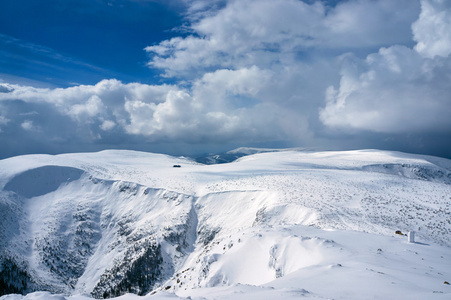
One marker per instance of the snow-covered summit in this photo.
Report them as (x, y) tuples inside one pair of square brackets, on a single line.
[(272, 223)]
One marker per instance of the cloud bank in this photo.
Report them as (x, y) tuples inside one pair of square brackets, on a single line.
[(399, 89), (156, 113), (284, 72)]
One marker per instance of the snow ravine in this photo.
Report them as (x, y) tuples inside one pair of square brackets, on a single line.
[(273, 225)]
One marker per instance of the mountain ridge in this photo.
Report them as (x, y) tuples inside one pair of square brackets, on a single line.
[(120, 221)]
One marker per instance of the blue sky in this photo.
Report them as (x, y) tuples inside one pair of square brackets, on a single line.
[(63, 43), (186, 77)]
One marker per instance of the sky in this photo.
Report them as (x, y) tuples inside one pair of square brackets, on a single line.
[(187, 77)]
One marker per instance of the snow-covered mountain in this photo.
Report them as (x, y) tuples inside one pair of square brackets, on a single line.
[(273, 225), (232, 155)]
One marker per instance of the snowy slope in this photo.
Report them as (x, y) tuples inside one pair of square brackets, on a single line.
[(270, 225), (232, 155)]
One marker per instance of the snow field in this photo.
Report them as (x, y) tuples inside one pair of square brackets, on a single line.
[(270, 226)]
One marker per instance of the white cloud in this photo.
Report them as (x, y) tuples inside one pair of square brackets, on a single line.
[(28, 125), (432, 29), (107, 125), (218, 90), (398, 89), (285, 50), (199, 9), (362, 23), (258, 70), (95, 109), (266, 32), (221, 105), (92, 107)]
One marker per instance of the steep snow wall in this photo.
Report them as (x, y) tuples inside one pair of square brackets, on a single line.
[(65, 230)]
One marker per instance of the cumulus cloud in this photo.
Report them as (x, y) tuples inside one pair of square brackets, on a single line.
[(218, 106), (28, 125), (107, 125), (265, 71), (432, 29), (279, 41), (88, 111), (92, 107), (266, 32), (398, 89)]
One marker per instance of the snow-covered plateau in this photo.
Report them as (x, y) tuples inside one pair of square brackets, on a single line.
[(273, 225)]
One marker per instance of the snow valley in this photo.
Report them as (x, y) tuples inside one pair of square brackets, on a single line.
[(272, 225)]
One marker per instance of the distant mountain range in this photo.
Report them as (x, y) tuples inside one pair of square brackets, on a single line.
[(232, 155)]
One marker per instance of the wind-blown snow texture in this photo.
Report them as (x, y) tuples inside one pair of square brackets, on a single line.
[(270, 226)]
